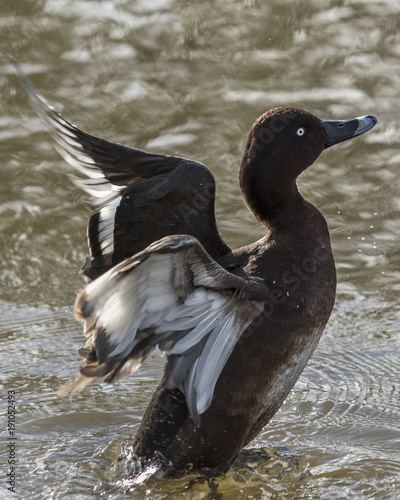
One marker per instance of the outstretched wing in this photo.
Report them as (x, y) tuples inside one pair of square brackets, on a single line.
[(172, 295), (137, 197)]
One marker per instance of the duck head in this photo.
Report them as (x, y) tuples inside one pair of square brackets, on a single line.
[(282, 143)]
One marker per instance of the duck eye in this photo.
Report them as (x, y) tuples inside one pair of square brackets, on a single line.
[(300, 131)]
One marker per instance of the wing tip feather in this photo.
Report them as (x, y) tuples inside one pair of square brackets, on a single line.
[(76, 385)]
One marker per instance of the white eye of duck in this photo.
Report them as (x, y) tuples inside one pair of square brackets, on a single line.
[(301, 131)]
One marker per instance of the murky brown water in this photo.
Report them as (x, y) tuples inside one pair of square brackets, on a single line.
[(189, 78)]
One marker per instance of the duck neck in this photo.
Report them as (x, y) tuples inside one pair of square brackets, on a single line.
[(273, 200)]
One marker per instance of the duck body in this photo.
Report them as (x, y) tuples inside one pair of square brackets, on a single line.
[(299, 270), (237, 326)]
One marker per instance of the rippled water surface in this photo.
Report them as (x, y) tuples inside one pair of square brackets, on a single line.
[(189, 78)]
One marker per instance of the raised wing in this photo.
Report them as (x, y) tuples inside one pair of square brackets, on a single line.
[(172, 295), (138, 197)]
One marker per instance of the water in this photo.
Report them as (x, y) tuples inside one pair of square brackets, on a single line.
[(189, 79)]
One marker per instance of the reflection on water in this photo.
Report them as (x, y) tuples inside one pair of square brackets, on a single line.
[(189, 79)]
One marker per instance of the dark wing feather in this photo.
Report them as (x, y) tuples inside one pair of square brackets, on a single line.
[(138, 197)]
